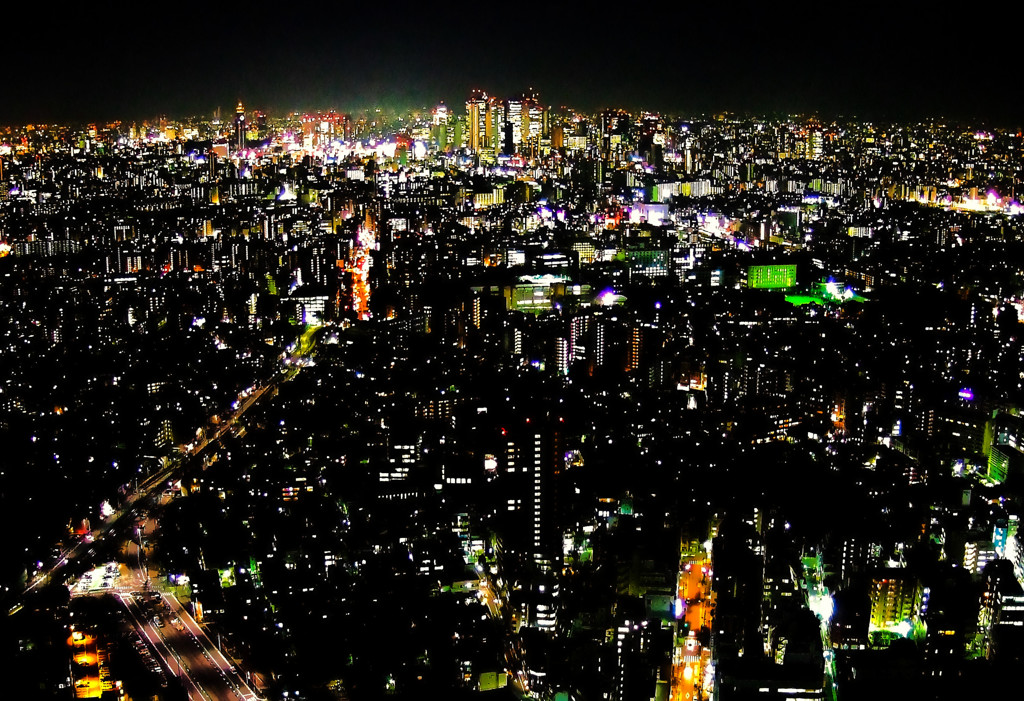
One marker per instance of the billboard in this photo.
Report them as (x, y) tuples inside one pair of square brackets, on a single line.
[(771, 277)]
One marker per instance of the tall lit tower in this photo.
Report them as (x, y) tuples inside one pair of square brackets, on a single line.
[(534, 462), (495, 130), (476, 113), (514, 116), (439, 128), (239, 126)]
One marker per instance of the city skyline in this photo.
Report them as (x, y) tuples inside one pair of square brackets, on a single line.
[(503, 400), (897, 64)]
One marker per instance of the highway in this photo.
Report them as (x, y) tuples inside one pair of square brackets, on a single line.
[(212, 653), (184, 646), (291, 364), (173, 635), (187, 653)]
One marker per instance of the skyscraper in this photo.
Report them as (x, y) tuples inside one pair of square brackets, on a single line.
[(533, 462), (239, 127), (476, 113)]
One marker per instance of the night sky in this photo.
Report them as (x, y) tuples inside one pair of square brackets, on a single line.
[(139, 61)]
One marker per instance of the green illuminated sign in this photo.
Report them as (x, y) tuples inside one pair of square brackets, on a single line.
[(771, 277)]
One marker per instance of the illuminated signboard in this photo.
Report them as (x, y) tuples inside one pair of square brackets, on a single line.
[(771, 277)]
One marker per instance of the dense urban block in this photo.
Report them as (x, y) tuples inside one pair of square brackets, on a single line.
[(499, 399)]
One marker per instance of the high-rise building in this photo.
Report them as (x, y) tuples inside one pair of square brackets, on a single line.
[(527, 121), (895, 597), (439, 127), (477, 123), (318, 130), (514, 118), (562, 355), (579, 327), (240, 126), (533, 464), (495, 126), (636, 344), (614, 134), (977, 554)]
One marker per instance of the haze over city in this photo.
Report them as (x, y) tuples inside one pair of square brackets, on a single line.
[(880, 63)]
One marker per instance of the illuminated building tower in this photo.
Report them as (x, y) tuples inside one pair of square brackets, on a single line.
[(308, 132), (562, 355), (652, 138), (439, 127), (856, 555), (815, 144), (614, 133), (558, 137), (476, 312), (637, 644), (526, 121), (688, 148), (538, 124), (578, 328), (239, 126), (514, 118), (1002, 609), (533, 464), (319, 130), (977, 554), (496, 117), (457, 138), (636, 344), (534, 126), (895, 597), (476, 114)]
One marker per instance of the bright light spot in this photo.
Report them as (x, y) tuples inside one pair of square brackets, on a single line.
[(902, 628), (822, 606)]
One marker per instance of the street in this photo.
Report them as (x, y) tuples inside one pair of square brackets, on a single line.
[(689, 659)]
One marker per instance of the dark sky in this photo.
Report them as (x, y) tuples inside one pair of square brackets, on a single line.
[(139, 60)]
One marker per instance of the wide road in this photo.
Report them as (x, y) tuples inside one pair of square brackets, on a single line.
[(291, 364), (190, 658), (182, 646), (217, 659)]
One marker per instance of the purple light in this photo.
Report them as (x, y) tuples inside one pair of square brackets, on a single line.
[(967, 394)]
